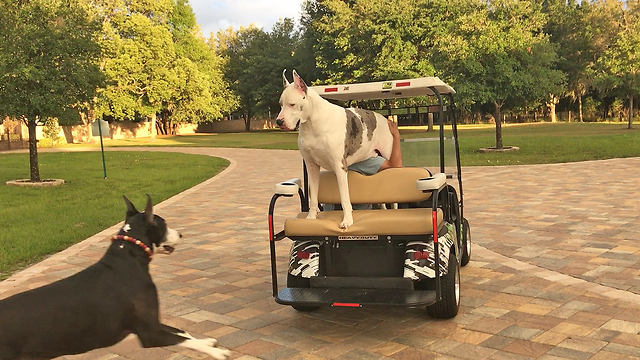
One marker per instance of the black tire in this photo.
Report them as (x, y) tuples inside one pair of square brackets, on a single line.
[(300, 282), (466, 243), (448, 306)]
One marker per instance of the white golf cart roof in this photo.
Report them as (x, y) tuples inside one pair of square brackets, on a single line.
[(393, 89)]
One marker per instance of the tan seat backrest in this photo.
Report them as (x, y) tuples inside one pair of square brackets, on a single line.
[(394, 185)]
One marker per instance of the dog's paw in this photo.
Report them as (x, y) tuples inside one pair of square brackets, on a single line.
[(210, 342), (344, 225), (222, 354), (311, 215), (206, 346)]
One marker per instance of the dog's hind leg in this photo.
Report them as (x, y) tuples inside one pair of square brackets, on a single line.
[(313, 171), (345, 200)]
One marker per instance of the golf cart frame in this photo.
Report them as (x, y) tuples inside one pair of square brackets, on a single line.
[(389, 256)]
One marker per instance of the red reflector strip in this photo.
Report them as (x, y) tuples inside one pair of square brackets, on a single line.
[(420, 255), (404, 83), (270, 227), (346, 305), (333, 89), (303, 255), (435, 226)]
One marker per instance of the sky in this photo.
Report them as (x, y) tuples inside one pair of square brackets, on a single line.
[(214, 15)]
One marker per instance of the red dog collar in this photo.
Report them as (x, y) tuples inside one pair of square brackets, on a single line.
[(135, 241)]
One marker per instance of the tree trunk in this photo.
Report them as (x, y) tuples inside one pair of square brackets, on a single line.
[(553, 101), (33, 151), (87, 120), (498, 120), (630, 113), (153, 125), (430, 121), (247, 121), (580, 108)]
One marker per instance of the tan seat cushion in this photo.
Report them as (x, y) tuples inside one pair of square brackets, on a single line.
[(394, 185), (365, 222)]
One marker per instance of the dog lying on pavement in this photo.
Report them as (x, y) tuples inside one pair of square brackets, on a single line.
[(100, 305), (331, 137)]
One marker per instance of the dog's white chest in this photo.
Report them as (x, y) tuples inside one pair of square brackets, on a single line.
[(326, 152)]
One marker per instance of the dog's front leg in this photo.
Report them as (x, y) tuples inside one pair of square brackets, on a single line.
[(206, 346), (345, 200), (163, 335), (313, 172)]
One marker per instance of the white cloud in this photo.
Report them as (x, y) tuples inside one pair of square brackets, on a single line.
[(214, 15)]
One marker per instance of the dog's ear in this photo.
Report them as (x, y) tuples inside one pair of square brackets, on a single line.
[(148, 211), (298, 81), (285, 82), (131, 210)]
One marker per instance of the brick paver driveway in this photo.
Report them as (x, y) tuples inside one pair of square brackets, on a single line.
[(554, 271)]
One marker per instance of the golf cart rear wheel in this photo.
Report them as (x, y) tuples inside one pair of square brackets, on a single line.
[(300, 282), (448, 306), (466, 243)]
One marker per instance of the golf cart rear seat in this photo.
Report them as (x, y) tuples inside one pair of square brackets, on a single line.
[(395, 185)]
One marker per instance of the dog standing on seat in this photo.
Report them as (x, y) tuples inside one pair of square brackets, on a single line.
[(100, 305), (331, 137)]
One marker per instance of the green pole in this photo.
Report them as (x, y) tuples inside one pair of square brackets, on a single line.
[(104, 165)]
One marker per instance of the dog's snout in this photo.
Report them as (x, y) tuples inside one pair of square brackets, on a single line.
[(279, 122)]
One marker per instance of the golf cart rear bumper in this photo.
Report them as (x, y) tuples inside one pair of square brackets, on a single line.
[(355, 297)]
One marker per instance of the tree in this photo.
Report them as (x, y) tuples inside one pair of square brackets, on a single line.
[(499, 54), (254, 63), (571, 31), (138, 53), (367, 40), (48, 60), (200, 93), (617, 71)]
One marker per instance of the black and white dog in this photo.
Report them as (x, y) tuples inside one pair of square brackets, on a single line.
[(100, 305)]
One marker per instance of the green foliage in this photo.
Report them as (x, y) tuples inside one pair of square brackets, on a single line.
[(51, 130), (365, 40), (569, 29), (498, 54), (47, 57), (201, 93), (137, 47), (254, 63), (157, 62), (618, 69)]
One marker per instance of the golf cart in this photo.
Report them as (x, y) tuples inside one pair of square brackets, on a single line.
[(408, 250)]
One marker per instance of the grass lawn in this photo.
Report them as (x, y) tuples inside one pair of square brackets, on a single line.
[(35, 222), (262, 139), (545, 143), (539, 143)]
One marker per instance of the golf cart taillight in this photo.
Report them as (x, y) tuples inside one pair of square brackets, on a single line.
[(303, 255), (418, 255), (346, 305)]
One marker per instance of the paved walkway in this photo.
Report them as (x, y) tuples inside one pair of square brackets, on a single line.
[(555, 271)]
